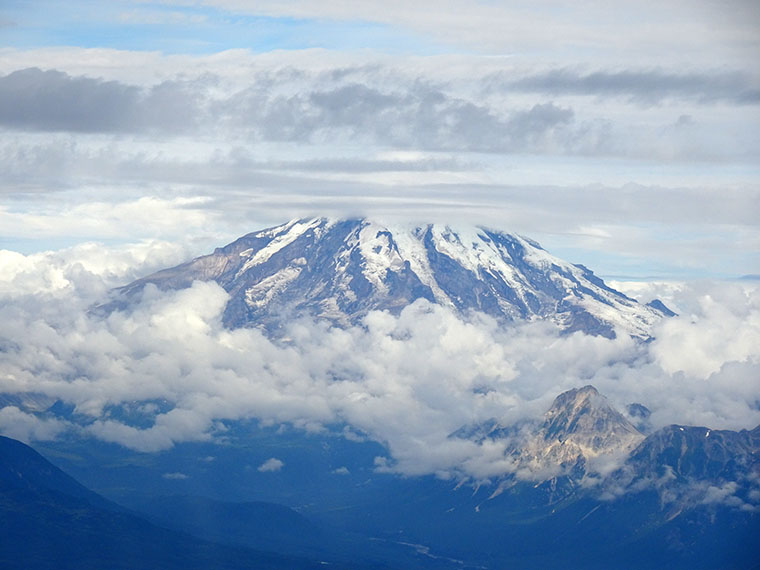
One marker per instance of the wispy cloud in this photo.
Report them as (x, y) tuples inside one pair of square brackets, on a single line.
[(176, 476), (642, 87)]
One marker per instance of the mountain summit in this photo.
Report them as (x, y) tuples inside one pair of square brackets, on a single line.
[(581, 425), (342, 269)]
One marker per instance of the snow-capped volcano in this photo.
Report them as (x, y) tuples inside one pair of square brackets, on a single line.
[(342, 269)]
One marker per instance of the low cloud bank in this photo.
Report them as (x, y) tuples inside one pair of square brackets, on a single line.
[(407, 381)]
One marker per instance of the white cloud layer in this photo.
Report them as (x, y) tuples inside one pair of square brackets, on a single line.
[(406, 381)]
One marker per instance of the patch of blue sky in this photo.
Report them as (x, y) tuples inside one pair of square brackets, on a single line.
[(30, 245), (719, 258), (614, 171), (612, 265), (189, 29)]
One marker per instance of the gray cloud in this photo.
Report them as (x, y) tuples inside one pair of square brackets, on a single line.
[(378, 106), (646, 87), (420, 117), (52, 100), (55, 101)]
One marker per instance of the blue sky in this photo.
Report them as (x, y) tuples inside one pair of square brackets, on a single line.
[(190, 29), (623, 136)]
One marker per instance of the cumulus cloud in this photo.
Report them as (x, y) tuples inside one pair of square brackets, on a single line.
[(121, 221), (407, 381), (686, 345), (83, 272), (28, 427), (271, 465)]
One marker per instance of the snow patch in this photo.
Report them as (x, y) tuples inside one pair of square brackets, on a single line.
[(265, 290), (287, 235)]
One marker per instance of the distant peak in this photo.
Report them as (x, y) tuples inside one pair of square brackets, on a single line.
[(576, 395), (658, 305), (583, 410)]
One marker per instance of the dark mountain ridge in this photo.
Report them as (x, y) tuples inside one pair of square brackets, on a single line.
[(50, 521)]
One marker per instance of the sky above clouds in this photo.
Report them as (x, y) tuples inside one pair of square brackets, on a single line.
[(135, 135)]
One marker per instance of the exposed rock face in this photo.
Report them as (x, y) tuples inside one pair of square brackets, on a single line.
[(699, 453), (580, 428), (581, 425), (582, 434)]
